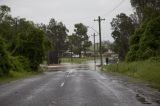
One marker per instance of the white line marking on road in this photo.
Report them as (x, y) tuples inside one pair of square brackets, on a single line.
[(53, 102), (71, 71), (67, 75), (62, 84)]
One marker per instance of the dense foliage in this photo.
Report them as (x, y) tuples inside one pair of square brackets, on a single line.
[(79, 41), (145, 42), (137, 36), (123, 27), (4, 59), (22, 44), (57, 34), (142, 6)]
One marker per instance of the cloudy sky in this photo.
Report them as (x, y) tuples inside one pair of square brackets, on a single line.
[(71, 12)]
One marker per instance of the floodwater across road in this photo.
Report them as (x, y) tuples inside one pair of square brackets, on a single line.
[(77, 85)]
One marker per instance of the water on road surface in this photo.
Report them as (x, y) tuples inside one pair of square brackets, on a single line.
[(75, 85)]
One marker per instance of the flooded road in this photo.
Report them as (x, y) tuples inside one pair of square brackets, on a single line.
[(76, 85)]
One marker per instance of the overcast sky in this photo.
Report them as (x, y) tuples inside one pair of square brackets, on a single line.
[(70, 12)]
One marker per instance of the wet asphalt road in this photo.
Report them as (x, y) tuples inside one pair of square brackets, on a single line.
[(70, 85)]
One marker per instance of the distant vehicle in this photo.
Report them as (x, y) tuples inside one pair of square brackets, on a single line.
[(74, 55)]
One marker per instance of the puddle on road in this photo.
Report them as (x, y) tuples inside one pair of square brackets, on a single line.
[(88, 65), (52, 70), (142, 99), (81, 68)]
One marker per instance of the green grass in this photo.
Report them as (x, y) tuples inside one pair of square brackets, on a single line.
[(144, 70), (13, 75), (76, 60)]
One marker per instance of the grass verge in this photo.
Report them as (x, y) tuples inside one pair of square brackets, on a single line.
[(13, 75), (76, 60), (143, 70)]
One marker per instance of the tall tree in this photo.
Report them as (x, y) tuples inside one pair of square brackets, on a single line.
[(57, 34), (142, 7), (144, 42), (123, 28), (23, 44), (81, 39), (4, 12), (28, 41)]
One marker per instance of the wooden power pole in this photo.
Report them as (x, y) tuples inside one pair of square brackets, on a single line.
[(94, 47), (100, 40)]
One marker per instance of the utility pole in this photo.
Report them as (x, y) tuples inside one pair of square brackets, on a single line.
[(94, 47), (100, 40), (71, 54)]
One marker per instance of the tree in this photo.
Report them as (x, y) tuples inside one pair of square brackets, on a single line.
[(22, 43), (123, 27), (144, 43), (4, 59), (80, 39), (143, 6), (57, 34), (4, 12), (29, 42)]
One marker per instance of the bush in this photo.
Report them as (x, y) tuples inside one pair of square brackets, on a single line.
[(5, 64), (8, 62), (132, 54), (154, 59), (19, 63), (147, 41)]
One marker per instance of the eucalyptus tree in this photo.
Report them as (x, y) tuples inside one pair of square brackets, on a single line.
[(81, 39), (4, 12), (57, 34), (123, 28), (145, 8)]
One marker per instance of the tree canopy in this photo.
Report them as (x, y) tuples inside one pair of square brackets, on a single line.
[(123, 27), (22, 43), (79, 40), (144, 43)]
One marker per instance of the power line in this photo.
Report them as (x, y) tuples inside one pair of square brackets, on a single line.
[(117, 6)]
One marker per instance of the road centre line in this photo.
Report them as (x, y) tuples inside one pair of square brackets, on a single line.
[(62, 84)]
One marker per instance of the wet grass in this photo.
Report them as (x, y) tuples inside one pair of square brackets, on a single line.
[(144, 70), (76, 59), (13, 75)]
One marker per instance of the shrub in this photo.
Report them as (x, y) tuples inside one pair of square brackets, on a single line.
[(5, 64), (19, 63), (147, 41), (154, 59)]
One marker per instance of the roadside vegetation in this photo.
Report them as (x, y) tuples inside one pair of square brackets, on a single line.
[(14, 75), (22, 46), (137, 41), (76, 60), (148, 70)]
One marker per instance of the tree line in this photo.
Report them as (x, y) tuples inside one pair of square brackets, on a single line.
[(24, 45), (137, 37)]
